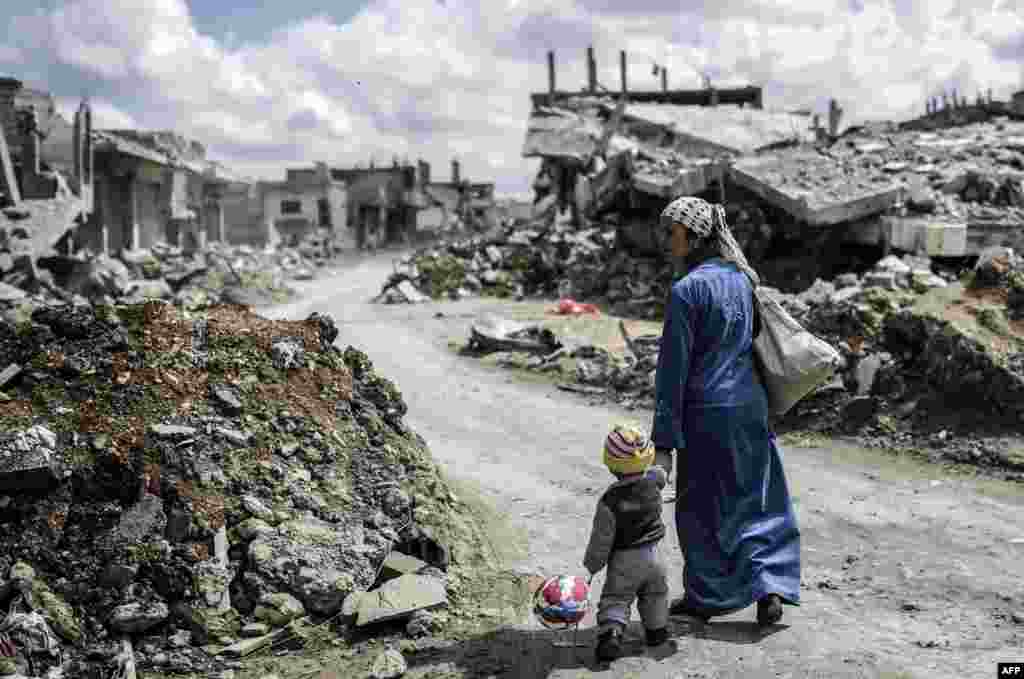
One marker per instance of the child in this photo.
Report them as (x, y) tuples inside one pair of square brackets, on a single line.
[(625, 536)]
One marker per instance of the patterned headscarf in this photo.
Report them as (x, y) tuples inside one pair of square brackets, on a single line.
[(707, 222)]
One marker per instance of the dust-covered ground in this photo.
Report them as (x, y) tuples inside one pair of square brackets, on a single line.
[(907, 572)]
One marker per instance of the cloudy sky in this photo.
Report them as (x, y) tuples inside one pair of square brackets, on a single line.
[(346, 80)]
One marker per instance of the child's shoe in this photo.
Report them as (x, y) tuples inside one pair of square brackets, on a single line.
[(656, 637), (609, 645)]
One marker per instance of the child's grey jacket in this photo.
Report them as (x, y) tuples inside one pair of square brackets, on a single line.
[(628, 515)]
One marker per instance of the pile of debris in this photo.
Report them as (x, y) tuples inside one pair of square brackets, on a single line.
[(917, 345), (966, 172), (539, 260), (178, 488), (218, 272)]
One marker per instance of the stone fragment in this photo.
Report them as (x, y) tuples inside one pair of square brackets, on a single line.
[(138, 616), (28, 460), (234, 436), (9, 293), (323, 591), (143, 289), (390, 664), (172, 432), (252, 528), (278, 609), (9, 373), (411, 294), (227, 399), (398, 564), (865, 373), (287, 353), (257, 509), (401, 597), (254, 629)]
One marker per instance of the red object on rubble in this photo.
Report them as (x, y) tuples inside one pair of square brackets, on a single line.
[(570, 307)]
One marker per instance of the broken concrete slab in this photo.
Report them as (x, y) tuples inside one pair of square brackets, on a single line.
[(400, 598), (9, 373), (28, 460), (398, 564)]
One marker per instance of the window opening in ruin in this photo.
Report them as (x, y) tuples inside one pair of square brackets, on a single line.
[(291, 207), (324, 209)]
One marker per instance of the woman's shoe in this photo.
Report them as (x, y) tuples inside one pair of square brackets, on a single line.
[(684, 607), (769, 610), (656, 637), (609, 645)]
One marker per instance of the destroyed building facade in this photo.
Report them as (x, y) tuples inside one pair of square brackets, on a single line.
[(308, 199), (45, 170), (457, 201), (383, 202)]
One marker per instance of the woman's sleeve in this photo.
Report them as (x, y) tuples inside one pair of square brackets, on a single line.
[(673, 370)]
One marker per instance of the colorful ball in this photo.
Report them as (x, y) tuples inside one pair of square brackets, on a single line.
[(561, 601)]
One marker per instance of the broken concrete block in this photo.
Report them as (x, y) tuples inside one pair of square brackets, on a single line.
[(226, 397), (846, 280), (279, 608), (287, 352), (172, 431), (137, 616), (880, 279), (390, 664), (892, 264), (158, 289), (411, 294), (865, 373), (9, 293), (400, 598), (398, 564), (9, 373), (28, 460)]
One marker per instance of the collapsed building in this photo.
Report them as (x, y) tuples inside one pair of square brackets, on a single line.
[(801, 198)]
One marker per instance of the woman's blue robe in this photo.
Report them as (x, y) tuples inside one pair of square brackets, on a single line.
[(734, 516)]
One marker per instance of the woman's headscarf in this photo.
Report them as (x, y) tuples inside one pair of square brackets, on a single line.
[(707, 223)]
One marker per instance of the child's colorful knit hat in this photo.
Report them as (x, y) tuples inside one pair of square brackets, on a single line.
[(627, 450)]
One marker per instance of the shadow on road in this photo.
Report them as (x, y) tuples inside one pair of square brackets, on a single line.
[(536, 654)]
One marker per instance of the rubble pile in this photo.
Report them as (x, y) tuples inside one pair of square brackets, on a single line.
[(218, 272), (538, 260), (972, 172), (175, 487), (906, 358)]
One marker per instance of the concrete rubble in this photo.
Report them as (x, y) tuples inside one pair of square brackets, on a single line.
[(164, 480), (217, 273), (917, 343)]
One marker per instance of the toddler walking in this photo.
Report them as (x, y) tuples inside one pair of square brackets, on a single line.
[(625, 535)]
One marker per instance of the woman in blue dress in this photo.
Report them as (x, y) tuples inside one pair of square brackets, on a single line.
[(734, 517)]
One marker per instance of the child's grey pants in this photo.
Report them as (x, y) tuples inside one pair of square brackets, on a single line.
[(634, 574)]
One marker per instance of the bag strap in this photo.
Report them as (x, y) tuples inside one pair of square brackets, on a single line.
[(757, 312)]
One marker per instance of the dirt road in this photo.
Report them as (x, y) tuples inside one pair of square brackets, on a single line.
[(906, 574)]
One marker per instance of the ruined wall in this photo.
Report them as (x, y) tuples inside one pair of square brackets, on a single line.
[(242, 223), (343, 229), (275, 220)]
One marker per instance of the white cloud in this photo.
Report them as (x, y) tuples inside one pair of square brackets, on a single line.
[(11, 55), (424, 78)]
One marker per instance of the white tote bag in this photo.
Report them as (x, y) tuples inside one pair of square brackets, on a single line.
[(792, 361)]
